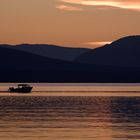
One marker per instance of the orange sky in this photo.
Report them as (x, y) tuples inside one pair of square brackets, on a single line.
[(74, 23)]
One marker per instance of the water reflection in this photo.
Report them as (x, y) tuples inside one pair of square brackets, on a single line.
[(126, 117), (69, 118)]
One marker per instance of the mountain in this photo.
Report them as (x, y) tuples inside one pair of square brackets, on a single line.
[(116, 62), (14, 60), (21, 66), (50, 51), (124, 52)]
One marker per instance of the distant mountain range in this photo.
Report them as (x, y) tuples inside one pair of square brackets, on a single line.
[(124, 52), (115, 62), (50, 51)]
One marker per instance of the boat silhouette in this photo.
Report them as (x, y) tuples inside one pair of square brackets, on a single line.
[(22, 88)]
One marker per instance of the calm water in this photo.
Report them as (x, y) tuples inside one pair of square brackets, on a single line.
[(69, 117)]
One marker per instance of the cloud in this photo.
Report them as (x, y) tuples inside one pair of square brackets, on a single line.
[(69, 8), (123, 4)]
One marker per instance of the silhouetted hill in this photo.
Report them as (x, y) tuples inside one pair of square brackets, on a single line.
[(50, 51), (124, 52), (20, 66), (117, 62), (11, 59)]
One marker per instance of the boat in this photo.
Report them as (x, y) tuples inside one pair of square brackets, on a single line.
[(22, 88)]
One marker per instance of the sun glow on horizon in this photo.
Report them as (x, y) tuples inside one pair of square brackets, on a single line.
[(97, 44)]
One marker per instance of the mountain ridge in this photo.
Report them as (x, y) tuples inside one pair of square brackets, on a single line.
[(124, 52), (110, 63), (50, 51)]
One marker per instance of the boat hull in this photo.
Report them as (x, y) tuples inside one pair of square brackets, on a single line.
[(20, 90)]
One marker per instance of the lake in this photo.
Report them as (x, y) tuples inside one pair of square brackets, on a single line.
[(68, 112)]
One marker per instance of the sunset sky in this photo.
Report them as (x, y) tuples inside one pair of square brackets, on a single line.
[(73, 23)]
